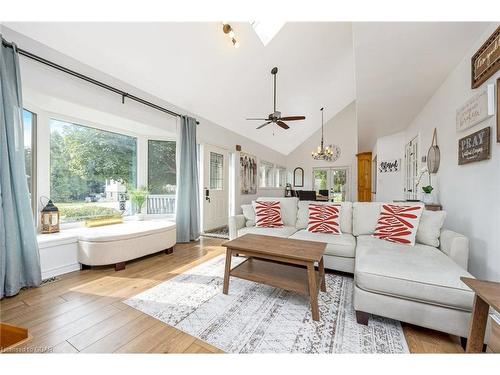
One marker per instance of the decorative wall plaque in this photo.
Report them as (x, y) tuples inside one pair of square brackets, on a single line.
[(486, 61), (476, 109), (389, 166), (474, 147), (498, 108)]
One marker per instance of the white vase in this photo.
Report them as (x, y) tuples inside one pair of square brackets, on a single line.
[(427, 198), (139, 217)]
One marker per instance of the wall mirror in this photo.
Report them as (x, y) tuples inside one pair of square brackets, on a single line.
[(433, 155), (298, 177)]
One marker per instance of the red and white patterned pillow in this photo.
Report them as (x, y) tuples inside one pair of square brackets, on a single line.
[(268, 214), (324, 218), (398, 223)]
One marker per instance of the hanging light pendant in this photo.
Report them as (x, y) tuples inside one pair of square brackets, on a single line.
[(322, 153)]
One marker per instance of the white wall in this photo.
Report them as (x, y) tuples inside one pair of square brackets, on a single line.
[(469, 193), (390, 184), (51, 93), (341, 130)]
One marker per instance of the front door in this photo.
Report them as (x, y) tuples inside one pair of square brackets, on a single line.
[(215, 187)]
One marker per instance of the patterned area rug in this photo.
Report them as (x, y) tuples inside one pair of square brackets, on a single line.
[(222, 232), (256, 318)]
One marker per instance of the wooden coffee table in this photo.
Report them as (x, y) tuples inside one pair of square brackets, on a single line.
[(279, 262)]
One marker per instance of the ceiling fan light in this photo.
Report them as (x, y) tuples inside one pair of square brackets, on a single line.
[(231, 34), (236, 44)]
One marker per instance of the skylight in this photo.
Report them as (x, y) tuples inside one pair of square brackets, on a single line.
[(267, 30)]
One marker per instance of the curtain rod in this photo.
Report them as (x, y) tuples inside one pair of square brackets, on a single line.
[(105, 86)]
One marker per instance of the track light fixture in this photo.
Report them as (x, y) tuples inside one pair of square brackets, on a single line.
[(228, 30)]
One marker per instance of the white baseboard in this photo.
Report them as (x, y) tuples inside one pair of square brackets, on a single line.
[(46, 274)]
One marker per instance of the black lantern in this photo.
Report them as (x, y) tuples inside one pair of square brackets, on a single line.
[(50, 218)]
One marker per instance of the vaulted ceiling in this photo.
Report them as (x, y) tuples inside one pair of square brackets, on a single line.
[(390, 69)]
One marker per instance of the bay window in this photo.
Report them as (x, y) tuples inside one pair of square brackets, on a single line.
[(90, 170)]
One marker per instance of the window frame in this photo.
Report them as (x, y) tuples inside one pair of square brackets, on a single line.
[(262, 181), (34, 154), (278, 171)]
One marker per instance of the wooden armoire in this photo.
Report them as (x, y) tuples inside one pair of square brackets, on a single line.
[(364, 176)]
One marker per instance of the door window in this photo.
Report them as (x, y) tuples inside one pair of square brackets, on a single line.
[(216, 171)]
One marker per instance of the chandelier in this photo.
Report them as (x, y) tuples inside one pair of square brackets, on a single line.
[(322, 153)]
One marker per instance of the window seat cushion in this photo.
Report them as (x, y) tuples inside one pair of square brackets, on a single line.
[(125, 230)]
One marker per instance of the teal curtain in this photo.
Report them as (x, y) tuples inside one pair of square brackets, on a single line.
[(188, 202), (19, 256)]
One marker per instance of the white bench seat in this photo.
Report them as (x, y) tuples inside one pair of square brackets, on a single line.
[(118, 243)]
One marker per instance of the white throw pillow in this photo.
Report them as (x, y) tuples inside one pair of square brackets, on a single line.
[(429, 228), (398, 223), (249, 213)]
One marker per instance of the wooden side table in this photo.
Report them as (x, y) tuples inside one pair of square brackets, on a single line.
[(487, 293)]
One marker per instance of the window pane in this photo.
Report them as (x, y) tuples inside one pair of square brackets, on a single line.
[(90, 170), (339, 188), (266, 174), (320, 180), (280, 180), (216, 171), (162, 179), (29, 131)]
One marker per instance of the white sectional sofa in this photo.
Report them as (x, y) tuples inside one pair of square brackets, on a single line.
[(415, 284)]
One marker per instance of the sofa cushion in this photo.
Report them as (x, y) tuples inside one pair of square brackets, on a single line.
[(345, 215), (398, 223), (365, 216), (276, 232), (429, 228), (419, 273), (324, 218), (249, 214), (288, 208), (342, 245), (268, 214)]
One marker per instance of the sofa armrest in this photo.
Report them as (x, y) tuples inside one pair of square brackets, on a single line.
[(456, 246), (235, 223)]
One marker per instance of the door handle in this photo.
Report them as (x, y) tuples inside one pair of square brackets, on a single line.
[(207, 195)]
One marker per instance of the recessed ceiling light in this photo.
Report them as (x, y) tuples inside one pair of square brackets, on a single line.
[(267, 30)]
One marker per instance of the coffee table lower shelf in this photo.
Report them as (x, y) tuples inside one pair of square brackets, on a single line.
[(278, 275)]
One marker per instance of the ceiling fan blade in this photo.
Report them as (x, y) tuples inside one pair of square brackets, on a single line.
[(293, 118), (264, 124), (260, 119), (282, 124)]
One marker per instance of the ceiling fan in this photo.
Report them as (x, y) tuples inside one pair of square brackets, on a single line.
[(276, 115)]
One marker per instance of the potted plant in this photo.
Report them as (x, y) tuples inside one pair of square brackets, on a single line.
[(427, 196), (426, 190), (138, 197)]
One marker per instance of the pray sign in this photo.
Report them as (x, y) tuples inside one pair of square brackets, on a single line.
[(474, 147)]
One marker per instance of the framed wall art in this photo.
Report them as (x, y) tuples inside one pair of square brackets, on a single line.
[(486, 61)]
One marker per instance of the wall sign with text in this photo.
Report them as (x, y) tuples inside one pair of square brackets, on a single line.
[(474, 147), (476, 109), (486, 61), (389, 166)]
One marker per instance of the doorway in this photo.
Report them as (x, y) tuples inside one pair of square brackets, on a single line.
[(334, 182), (215, 187), (411, 169)]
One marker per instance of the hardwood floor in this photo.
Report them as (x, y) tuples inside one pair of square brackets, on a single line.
[(83, 311)]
